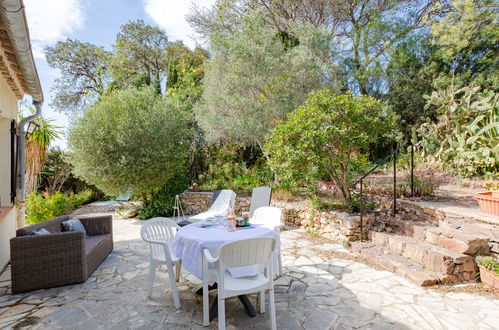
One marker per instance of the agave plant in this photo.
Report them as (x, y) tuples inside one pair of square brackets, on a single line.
[(37, 145)]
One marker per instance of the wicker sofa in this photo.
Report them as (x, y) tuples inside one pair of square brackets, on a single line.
[(61, 258)]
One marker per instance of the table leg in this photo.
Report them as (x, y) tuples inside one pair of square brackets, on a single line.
[(248, 306), (214, 309), (199, 292)]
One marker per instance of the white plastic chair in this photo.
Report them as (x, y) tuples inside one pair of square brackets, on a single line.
[(236, 254), (159, 233), (260, 197), (271, 216)]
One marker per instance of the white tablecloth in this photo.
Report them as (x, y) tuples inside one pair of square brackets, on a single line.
[(191, 240)]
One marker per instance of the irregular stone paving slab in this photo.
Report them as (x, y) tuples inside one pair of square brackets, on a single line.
[(315, 292)]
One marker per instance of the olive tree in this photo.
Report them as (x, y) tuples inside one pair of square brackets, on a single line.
[(328, 133), (254, 79), (129, 141)]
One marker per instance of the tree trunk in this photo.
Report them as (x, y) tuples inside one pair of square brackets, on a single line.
[(340, 183), (35, 158), (276, 176)]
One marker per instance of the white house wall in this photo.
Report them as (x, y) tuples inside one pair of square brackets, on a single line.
[(8, 111)]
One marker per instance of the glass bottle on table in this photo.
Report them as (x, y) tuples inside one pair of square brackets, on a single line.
[(231, 220)]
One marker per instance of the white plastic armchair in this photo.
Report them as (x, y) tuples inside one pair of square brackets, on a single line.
[(270, 216), (237, 254), (159, 233), (260, 197)]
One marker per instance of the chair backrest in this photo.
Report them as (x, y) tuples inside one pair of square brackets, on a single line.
[(247, 252), (268, 215), (159, 229), (260, 197), (225, 199), (215, 196)]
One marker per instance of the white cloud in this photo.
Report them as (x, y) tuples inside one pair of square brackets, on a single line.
[(52, 20), (170, 15)]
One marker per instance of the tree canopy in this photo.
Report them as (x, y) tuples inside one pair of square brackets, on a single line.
[(140, 55), (361, 33), (313, 83), (84, 73), (253, 80), (328, 132), (467, 40), (129, 141)]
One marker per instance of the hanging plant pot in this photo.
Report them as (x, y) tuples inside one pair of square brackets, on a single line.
[(488, 202)]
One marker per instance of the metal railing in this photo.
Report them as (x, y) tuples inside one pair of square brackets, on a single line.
[(392, 156)]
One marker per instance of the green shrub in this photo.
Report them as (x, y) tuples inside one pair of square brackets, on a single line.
[(37, 208), (60, 204), (423, 186), (356, 202), (490, 263), (237, 176), (78, 200), (161, 201), (41, 208), (328, 133), (327, 205), (353, 205)]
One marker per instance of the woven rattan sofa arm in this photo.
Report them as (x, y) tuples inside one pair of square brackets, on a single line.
[(99, 225), (46, 245), (47, 260)]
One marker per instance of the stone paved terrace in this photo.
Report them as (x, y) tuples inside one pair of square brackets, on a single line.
[(316, 292), (449, 198), (458, 201)]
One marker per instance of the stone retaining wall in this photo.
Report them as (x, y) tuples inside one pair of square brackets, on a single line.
[(331, 224), (195, 202)]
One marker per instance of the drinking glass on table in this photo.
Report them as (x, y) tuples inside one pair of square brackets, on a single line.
[(219, 222)]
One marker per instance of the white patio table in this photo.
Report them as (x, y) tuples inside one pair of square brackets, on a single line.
[(191, 240)]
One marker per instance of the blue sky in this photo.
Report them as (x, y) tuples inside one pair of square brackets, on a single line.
[(97, 22)]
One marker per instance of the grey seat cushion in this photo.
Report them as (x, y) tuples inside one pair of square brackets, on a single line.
[(93, 242)]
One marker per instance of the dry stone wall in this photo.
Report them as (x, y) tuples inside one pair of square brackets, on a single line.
[(195, 202), (331, 224)]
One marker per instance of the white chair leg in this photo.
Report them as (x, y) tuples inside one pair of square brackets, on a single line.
[(206, 304), (272, 309), (173, 284), (262, 301), (178, 268), (150, 280), (221, 313), (279, 260)]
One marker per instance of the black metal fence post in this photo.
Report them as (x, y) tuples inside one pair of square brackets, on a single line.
[(361, 212), (395, 180), (412, 170)]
